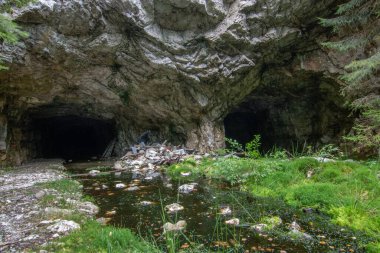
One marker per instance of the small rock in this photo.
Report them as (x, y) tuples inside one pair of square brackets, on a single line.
[(120, 185), (132, 188), (234, 221), (173, 208), (225, 210), (103, 221), (187, 188), (185, 174), (259, 227), (94, 173), (198, 157), (88, 208), (294, 226), (117, 165), (40, 194), (146, 203), (64, 226), (179, 226)]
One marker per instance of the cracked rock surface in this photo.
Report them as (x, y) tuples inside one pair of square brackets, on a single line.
[(177, 67)]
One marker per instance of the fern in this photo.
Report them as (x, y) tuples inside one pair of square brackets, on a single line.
[(358, 26)]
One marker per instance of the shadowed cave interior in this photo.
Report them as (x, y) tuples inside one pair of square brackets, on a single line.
[(72, 137)]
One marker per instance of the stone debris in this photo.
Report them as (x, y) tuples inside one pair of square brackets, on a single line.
[(234, 221), (145, 161), (225, 210), (132, 188), (63, 226), (187, 188), (259, 227), (120, 186), (170, 227), (173, 208), (103, 221), (94, 173), (146, 203)]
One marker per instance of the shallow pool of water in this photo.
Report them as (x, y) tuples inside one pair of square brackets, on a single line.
[(142, 211)]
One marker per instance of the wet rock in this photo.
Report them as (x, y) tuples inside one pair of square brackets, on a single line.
[(120, 186), (170, 227), (187, 188), (294, 226), (118, 165), (234, 221), (185, 174), (225, 210), (63, 226), (103, 221), (259, 227), (173, 208), (94, 173), (295, 231), (146, 203), (132, 188), (88, 208)]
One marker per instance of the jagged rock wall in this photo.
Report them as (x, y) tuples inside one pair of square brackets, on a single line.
[(174, 66)]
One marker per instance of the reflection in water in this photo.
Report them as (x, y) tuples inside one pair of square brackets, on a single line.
[(140, 205)]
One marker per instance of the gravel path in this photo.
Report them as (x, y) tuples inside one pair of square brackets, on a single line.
[(20, 211)]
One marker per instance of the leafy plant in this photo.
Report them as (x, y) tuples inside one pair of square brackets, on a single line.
[(252, 147), (233, 145), (10, 32)]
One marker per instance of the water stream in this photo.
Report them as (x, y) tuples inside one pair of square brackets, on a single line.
[(142, 211)]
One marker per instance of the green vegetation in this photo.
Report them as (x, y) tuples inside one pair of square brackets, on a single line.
[(64, 186), (348, 191), (10, 32), (357, 27), (92, 237)]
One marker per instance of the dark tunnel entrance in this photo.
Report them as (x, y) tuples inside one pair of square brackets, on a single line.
[(290, 113), (72, 137)]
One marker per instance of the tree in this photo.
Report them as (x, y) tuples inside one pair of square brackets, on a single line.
[(10, 32), (358, 27)]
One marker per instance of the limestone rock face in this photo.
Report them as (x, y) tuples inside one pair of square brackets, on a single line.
[(176, 67)]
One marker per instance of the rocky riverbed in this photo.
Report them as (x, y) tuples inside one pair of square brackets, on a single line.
[(34, 208)]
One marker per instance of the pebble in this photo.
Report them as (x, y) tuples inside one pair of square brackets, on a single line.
[(173, 208), (120, 185), (234, 221)]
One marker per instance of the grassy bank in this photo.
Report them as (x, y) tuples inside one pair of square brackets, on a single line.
[(91, 237), (348, 191)]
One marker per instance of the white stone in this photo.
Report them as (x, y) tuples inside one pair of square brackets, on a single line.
[(63, 226), (120, 185)]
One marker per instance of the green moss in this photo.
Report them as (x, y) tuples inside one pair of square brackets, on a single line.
[(93, 237)]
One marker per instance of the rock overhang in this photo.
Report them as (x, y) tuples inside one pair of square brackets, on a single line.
[(178, 67)]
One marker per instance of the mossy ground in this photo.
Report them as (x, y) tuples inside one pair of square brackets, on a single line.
[(93, 237), (348, 191)]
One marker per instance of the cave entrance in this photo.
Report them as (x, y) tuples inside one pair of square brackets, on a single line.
[(72, 137), (290, 113)]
